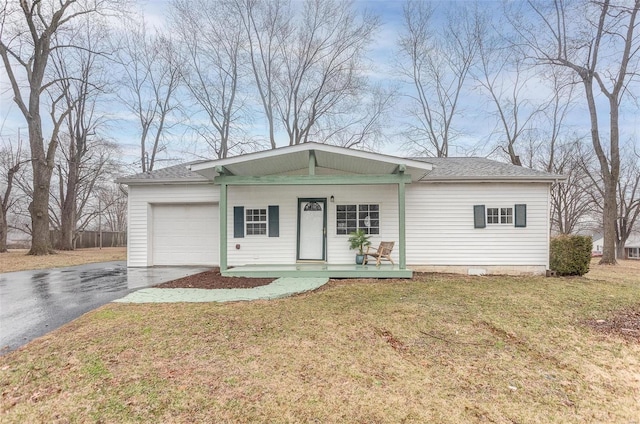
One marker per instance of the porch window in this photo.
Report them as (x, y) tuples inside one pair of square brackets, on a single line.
[(256, 221), (350, 218)]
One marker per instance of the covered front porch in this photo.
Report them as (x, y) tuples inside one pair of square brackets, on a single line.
[(319, 270), (291, 210)]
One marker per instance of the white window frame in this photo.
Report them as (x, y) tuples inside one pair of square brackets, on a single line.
[(251, 222)]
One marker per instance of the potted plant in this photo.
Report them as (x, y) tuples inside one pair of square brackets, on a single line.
[(359, 240)]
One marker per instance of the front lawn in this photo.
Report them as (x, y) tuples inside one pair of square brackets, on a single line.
[(18, 260), (436, 349)]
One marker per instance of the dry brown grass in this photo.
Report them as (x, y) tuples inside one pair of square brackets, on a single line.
[(18, 260), (444, 349), (625, 271)]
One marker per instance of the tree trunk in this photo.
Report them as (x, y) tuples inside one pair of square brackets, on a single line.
[(609, 223), (611, 180), (67, 228), (620, 250), (3, 231), (68, 207), (39, 208)]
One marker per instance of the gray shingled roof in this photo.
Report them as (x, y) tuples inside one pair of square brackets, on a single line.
[(179, 172), (457, 168)]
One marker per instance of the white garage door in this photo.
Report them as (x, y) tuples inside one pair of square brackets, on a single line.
[(185, 234)]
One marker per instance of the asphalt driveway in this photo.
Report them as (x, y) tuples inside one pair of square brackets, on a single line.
[(32, 303)]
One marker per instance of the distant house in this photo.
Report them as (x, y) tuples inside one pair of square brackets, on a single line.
[(294, 207), (631, 247)]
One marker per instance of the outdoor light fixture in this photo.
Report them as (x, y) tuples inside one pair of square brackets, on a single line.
[(333, 199)]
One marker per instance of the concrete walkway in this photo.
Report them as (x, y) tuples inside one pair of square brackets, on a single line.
[(282, 287)]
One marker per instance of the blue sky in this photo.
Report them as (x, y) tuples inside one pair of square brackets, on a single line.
[(474, 122)]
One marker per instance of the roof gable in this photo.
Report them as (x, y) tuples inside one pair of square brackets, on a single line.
[(310, 155)]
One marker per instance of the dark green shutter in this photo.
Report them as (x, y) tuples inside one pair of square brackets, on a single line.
[(238, 221), (274, 221), (521, 216), (479, 220)]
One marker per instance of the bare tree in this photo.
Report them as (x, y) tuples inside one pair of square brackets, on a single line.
[(113, 199), (505, 79), (268, 27), (213, 37), (555, 116), (81, 80), (628, 200), (11, 162), (365, 128), (27, 40), (628, 192), (438, 62), (93, 172), (307, 66), (571, 200), (321, 65), (598, 43), (151, 71)]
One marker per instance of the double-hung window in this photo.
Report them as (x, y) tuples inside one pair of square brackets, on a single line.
[(256, 222)]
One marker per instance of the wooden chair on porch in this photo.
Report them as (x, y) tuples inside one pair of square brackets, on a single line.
[(382, 253)]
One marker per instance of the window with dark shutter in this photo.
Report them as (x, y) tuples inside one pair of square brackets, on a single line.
[(520, 215), (479, 220)]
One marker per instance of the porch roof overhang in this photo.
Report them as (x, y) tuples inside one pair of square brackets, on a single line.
[(346, 166), (298, 165)]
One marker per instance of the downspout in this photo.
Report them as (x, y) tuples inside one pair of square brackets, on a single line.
[(401, 221)]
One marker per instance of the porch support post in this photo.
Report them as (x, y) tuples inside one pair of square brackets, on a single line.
[(223, 226), (312, 162), (401, 230)]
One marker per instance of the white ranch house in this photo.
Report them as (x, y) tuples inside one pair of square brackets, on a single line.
[(290, 211)]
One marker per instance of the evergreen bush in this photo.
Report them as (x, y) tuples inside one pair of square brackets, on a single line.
[(570, 255)]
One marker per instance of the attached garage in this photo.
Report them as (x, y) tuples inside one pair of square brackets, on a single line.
[(184, 234)]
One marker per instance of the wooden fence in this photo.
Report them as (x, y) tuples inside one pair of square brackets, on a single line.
[(87, 239)]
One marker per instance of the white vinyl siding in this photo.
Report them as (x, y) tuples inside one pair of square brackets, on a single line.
[(282, 249), (440, 224), (439, 221), (140, 209)]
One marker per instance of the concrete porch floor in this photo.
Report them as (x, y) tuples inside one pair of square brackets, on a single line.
[(319, 270)]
